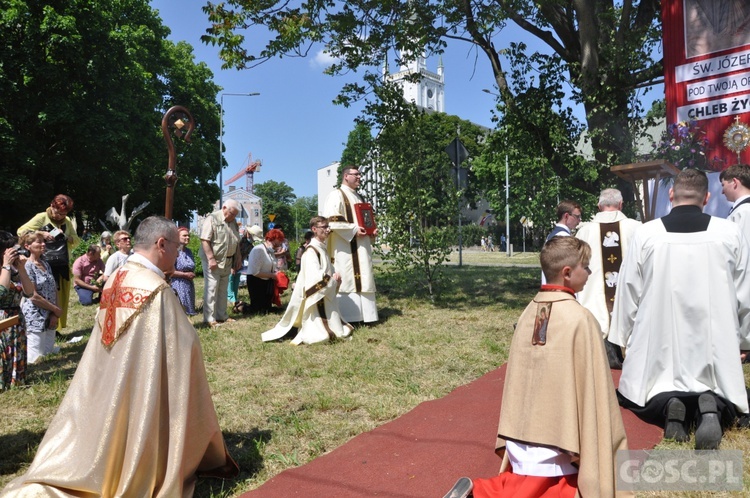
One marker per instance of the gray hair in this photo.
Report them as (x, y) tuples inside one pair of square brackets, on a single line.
[(233, 205), (152, 229), (610, 197)]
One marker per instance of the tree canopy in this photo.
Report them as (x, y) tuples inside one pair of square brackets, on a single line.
[(83, 87), (415, 191), (605, 48), (277, 198), (358, 147)]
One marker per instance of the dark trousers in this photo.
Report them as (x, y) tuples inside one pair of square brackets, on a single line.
[(261, 294), (655, 411)]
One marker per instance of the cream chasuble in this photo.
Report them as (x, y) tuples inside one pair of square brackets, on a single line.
[(592, 297), (137, 419)]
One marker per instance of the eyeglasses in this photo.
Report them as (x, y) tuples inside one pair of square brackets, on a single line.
[(355, 174), (577, 216), (324, 227), (122, 238)]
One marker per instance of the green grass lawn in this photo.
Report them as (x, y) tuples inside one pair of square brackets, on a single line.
[(281, 406)]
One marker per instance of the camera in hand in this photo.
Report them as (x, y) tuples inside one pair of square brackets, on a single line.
[(22, 251)]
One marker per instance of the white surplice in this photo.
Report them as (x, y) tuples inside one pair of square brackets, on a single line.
[(356, 304), (313, 306), (741, 215), (682, 310)]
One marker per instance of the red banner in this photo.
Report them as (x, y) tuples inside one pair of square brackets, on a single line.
[(707, 70)]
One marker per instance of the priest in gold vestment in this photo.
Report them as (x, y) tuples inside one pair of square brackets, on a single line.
[(137, 419)]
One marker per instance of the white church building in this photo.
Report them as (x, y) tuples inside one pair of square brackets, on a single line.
[(429, 94)]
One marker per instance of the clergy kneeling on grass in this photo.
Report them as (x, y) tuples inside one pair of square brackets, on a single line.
[(313, 309), (560, 424), (137, 419)]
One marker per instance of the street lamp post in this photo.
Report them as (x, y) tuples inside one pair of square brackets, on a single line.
[(221, 139)]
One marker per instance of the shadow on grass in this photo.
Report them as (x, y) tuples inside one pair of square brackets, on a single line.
[(245, 449), (63, 364), (18, 450), (466, 286)]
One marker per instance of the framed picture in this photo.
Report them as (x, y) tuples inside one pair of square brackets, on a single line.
[(365, 217)]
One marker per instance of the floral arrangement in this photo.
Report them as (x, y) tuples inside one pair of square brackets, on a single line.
[(685, 145), (96, 280)]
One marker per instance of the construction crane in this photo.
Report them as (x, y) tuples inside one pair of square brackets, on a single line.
[(248, 169)]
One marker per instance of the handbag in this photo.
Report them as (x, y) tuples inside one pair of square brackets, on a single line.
[(56, 251)]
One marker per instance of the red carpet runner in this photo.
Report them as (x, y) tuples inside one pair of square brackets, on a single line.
[(422, 453)]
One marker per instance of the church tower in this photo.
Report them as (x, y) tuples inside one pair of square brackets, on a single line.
[(429, 92)]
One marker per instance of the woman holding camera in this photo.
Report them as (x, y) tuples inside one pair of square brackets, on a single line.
[(14, 284), (60, 238), (40, 311)]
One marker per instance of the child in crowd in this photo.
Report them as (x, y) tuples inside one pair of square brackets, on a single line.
[(560, 424)]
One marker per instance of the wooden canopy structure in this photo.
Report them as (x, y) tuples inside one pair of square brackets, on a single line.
[(644, 171)]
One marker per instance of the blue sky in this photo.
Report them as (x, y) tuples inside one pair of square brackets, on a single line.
[(292, 126)]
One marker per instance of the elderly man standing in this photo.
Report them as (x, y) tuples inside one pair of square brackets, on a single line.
[(220, 254), (142, 374), (608, 234), (682, 312), (350, 248)]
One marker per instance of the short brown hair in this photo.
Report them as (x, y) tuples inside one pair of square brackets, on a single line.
[(317, 219), (738, 171), (690, 185), (567, 206), (560, 252)]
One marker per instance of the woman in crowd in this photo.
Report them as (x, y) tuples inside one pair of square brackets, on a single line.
[(261, 267), (233, 288), (105, 241), (182, 278), (283, 257), (60, 238), (14, 284), (40, 312)]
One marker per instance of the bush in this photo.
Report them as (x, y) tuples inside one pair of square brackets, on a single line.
[(194, 245), (471, 235), (82, 247)]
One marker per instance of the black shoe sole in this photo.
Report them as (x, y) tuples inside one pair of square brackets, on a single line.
[(675, 425), (708, 434)]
